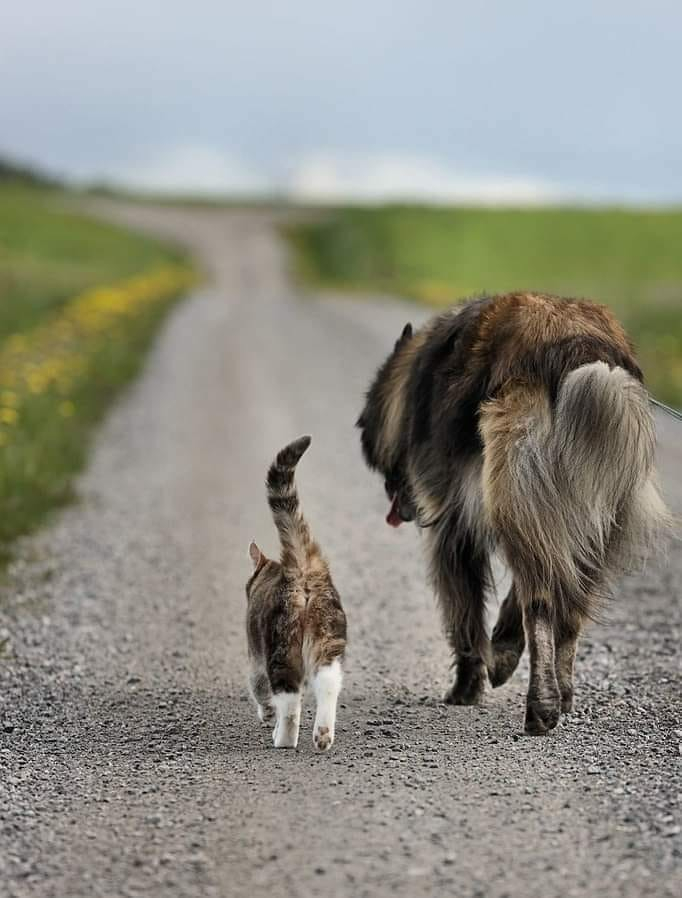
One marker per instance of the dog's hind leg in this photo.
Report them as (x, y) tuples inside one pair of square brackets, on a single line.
[(543, 702), (523, 507), (460, 575), (566, 633), (508, 640), (552, 641)]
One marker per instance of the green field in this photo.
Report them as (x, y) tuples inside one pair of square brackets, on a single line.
[(79, 303), (629, 260), (48, 253)]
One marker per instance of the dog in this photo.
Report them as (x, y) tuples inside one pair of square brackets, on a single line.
[(518, 423)]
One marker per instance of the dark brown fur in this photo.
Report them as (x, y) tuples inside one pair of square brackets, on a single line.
[(518, 423)]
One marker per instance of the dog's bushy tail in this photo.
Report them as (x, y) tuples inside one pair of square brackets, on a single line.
[(571, 489), (298, 547)]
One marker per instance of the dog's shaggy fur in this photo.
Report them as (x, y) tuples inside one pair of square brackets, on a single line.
[(518, 423)]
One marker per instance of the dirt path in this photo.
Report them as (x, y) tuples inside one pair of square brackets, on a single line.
[(130, 760)]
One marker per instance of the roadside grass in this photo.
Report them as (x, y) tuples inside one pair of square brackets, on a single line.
[(79, 304), (630, 260), (48, 253)]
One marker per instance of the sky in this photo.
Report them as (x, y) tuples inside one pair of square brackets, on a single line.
[(437, 100)]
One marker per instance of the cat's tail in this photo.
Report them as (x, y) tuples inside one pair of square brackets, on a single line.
[(298, 547)]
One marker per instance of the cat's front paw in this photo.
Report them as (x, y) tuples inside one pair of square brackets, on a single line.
[(323, 738)]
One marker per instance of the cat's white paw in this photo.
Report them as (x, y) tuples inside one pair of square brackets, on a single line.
[(326, 686), (323, 738), (288, 708), (285, 736)]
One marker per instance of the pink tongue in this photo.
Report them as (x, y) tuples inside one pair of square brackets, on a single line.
[(393, 517)]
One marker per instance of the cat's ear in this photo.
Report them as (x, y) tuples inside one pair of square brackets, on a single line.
[(256, 555)]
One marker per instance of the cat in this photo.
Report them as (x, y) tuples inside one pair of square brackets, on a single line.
[(295, 624)]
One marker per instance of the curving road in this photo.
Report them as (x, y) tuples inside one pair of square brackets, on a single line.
[(131, 762)]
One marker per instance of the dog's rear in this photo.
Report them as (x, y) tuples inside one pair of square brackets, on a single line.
[(570, 492)]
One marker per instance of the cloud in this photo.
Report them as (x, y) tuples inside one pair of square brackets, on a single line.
[(192, 169), (323, 177), (331, 178)]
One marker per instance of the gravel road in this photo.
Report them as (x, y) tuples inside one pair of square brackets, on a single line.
[(131, 762)]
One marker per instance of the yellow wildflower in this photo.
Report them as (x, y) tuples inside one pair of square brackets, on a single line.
[(16, 343), (8, 416), (36, 381), (9, 398), (55, 354)]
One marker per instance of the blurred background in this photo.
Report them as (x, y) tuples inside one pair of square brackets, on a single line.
[(444, 149), (439, 101)]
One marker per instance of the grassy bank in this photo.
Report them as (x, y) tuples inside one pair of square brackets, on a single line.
[(629, 260), (79, 304)]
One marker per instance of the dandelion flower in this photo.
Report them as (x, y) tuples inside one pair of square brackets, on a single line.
[(8, 416), (9, 398)]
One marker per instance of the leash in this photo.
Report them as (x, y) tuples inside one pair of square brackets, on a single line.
[(666, 408)]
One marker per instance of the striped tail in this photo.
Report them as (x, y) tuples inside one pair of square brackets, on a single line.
[(298, 547)]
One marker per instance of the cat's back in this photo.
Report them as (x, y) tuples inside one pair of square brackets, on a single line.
[(324, 619), (275, 610)]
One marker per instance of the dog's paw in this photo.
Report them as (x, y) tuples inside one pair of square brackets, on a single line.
[(541, 717), (458, 696), (567, 700), (505, 660), (468, 689)]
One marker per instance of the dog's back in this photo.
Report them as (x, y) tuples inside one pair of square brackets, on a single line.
[(548, 392)]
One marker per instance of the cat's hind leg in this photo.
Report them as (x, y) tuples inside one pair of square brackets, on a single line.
[(326, 684), (259, 686), (286, 675), (287, 707)]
